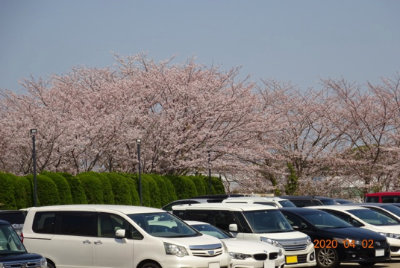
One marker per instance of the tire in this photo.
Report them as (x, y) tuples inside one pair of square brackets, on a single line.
[(327, 258), (149, 264), (50, 265)]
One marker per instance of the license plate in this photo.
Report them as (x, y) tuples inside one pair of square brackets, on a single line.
[(213, 265), (291, 259), (379, 252)]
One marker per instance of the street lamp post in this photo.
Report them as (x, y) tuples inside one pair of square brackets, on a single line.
[(33, 134), (209, 172), (138, 141)]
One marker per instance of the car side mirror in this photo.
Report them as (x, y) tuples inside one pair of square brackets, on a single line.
[(120, 233), (233, 227)]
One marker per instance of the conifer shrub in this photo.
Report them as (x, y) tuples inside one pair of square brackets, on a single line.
[(108, 193), (200, 184), (77, 191), (132, 187), (184, 187), (47, 193), (64, 191), (7, 198), (121, 189), (22, 192), (92, 186), (153, 192)]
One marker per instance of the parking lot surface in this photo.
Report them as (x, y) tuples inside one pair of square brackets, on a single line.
[(389, 264)]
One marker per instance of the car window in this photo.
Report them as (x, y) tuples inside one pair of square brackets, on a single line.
[(295, 221), (287, 203), (76, 223), (208, 229), (267, 221), (374, 217), (9, 241), (163, 224), (109, 223), (347, 218)]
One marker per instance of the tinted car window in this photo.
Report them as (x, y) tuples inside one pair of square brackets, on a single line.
[(372, 199), (44, 222), (287, 203), (347, 218), (374, 217), (390, 199), (109, 223), (77, 223), (13, 217)]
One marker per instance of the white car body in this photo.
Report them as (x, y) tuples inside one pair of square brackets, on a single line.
[(382, 229), (119, 250), (251, 249), (297, 247), (261, 200)]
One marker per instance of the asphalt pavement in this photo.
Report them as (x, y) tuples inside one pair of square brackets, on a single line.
[(389, 264)]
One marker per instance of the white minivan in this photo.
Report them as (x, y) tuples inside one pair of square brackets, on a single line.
[(118, 236), (254, 222)]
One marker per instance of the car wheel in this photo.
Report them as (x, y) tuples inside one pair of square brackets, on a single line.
[(150, 264), (367, 264), (327, 258), (50, 265)]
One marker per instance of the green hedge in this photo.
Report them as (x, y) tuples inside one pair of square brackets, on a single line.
[(92, 186), (121, 189), (7, 198), (77, 190), (102, 188), (64, 191)]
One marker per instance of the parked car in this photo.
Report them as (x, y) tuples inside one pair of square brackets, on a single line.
[(342, 201), (200, 199), (261, 200), (118, 236), (16, 218), (337, 241), (366, 218), (13, 252), (382, 197), (303, 201), (254, 222), (244, 253), (386, 208)]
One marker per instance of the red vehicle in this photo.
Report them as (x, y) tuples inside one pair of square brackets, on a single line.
[(383, 197)]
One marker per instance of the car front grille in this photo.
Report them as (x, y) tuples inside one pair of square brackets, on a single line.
[(24, 264), (211, 250), (293, 244), (260, 256)]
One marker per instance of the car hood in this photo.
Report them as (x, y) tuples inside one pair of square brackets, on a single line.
[(193, 241), (385, 228), (353, 233), (248, 246)]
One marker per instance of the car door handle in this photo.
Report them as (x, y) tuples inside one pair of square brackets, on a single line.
[(86, 242), (98, 242)]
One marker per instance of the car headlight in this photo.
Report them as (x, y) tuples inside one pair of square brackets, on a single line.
[(172, 249), (390, 235), (239, 256), (43, 263), (348, 241), (309, 241), (271, 241)]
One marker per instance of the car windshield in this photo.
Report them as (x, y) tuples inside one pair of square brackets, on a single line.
[(328, 201), (394, 209), (163, 224), (323, 220), (287, 203), (374, 217), (209, 229), (10, 242), (267, 221)]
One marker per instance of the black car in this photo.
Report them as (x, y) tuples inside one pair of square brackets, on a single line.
[(13, 252), (16, 218), (337, 241)]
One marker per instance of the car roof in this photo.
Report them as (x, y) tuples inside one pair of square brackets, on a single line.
[(196, 222), (298, 209), (254, 198), (224, 206), (94, 207), (339, 207)]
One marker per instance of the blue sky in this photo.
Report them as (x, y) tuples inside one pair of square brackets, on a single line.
[(292, 41)]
